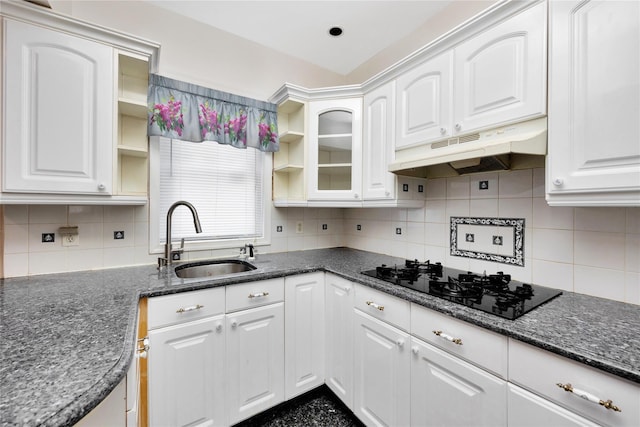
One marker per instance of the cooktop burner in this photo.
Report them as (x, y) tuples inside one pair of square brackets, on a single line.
[(492, 293)]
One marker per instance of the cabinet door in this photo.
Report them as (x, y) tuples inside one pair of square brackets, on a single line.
[(446, 391), (500, 75), (423, 103), (255, 360), (528, 410), (382, 373), (304, 333), (378, 148), (335, 150), (186, 374), (339, 337), (594, 103), (59, 127)]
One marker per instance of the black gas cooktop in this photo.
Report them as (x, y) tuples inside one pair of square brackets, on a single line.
[(492, 293)]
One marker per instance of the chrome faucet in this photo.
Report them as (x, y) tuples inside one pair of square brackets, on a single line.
[(168, 253)]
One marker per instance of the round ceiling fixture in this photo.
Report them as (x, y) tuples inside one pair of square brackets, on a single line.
[(335, 31)]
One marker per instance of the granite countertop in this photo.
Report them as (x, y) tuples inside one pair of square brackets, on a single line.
[(67, 339)]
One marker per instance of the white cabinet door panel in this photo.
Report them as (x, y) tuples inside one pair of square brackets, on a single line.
[(446, 391), (187, 374), (58, 112), (255, 358), (594, 103), (500, 74), (423, 102), (304, 333), (382, 373)]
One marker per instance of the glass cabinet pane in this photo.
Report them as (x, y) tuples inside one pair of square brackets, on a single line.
[(334, 150)]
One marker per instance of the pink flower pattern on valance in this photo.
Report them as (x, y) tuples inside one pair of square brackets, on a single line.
[(188, 112)]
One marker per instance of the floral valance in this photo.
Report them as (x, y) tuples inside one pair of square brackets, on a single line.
[(188, 112)]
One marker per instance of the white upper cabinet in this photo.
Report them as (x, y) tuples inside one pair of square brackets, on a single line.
[(74, 114), (493, 78), (423, 103), (58, 112), (377, 150), (594, 104), (335, 149), (500, 74)]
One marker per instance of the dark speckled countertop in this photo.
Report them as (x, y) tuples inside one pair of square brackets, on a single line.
[(67, 339)]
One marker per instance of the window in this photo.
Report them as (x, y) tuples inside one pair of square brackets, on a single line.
[(226, 185)]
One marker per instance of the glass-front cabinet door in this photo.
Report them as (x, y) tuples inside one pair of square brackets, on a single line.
[(335, 150)]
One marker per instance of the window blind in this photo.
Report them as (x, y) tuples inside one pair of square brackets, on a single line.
[(224, 184)]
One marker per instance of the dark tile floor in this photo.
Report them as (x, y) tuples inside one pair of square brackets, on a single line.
[(316, 408)]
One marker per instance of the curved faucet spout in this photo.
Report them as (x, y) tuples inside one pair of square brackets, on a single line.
[(167, 246)]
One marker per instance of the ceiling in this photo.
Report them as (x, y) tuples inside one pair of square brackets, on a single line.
[(301, 28)]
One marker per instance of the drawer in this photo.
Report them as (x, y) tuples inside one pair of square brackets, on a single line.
[(477, 345), (540, 371), (254, 294), (185, 307), (383, 306)]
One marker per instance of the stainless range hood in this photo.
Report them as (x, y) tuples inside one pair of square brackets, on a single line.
[(518, 146)]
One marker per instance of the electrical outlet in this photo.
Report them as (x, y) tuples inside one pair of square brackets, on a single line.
[(299, 228), (70, 240)]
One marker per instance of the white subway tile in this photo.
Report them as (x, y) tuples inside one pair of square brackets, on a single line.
[(552, 245), (516, 184), (487, 208), (91, 236), (457, 208), (16, 214), (16, 265), (141, 213), (129, 235), (489, 189), (436, 235), (125, 213), (632, 252), (632, 288), (85, 259), (47, 262), (436, 189), (516, 208), (555, 217), (599, 282), (458, 188), (436, 211), (552, 274), (435, 253), (414, 232), (596, 249), (35, 238), (48, 214), (416, 215), (118, 257), (82, 214), (16, 238), (601, 219), (539, 182), (633, 220)]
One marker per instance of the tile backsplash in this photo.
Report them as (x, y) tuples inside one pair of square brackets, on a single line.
[(594, 251)]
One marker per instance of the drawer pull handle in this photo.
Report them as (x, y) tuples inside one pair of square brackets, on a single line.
[(608, 404), (192, 308), (258, 294), (448, 337), (374, 305)]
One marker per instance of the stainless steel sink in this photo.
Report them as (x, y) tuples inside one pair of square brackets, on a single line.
[(212, 268)]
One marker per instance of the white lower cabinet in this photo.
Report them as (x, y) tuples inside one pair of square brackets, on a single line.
[(382, 372), (186, 374), (339, 299), (255, 356), (304, 333), (447, 391), (529, 410)]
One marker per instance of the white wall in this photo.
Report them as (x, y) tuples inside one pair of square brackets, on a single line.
[(594, 251)]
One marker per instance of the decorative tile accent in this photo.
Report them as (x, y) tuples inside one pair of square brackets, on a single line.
[(489, 239)]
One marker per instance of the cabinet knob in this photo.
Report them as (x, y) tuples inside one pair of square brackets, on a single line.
[(415, 350), (458, 126), (234, 324), (387, 194), (558, 181), (219, 327), (443, 131), (400, 342), (356, 196), (101, 187)]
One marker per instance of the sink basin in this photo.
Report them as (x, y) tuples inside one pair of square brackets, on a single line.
[(212, 268)]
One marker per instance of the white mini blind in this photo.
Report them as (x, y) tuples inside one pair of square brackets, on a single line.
[(224, 184)]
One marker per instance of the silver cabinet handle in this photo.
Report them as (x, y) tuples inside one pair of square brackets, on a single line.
[(608, 404), (374, 305), (458, 126), (443, 131), (258, 294), (558, 181), (192, 308), (448, 337)]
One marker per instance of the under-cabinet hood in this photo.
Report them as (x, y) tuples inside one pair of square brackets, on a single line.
[(517, 146)]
